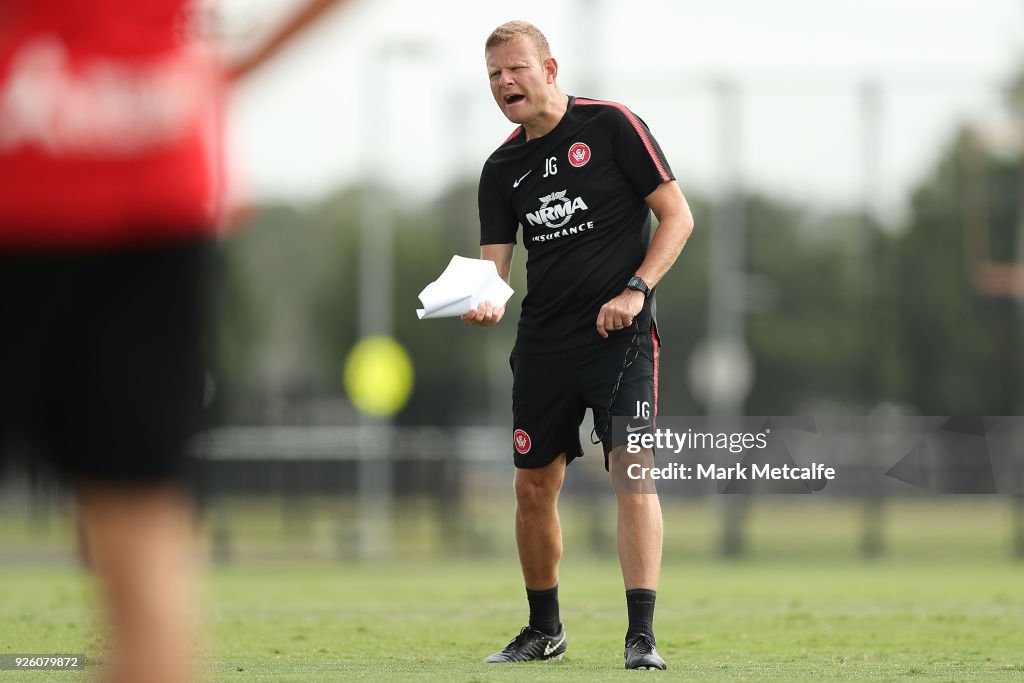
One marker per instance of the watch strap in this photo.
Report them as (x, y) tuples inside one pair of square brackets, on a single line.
[(636, 282)]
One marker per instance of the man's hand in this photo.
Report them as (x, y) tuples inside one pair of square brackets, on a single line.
[(484, 315), (619, 312)]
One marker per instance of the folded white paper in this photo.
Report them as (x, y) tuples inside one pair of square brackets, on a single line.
[(464, 285)]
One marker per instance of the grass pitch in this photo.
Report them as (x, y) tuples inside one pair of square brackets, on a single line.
[(752, 620), (945, 603)]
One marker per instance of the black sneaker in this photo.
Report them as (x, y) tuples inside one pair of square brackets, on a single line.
[(531, 645), (641, 654)]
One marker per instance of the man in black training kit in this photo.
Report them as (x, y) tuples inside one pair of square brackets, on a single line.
[(581, 177)]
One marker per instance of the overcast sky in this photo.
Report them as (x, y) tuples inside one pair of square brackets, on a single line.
[(397, 89)]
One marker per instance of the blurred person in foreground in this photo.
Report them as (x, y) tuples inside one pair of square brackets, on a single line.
[(581, 177), (110, 192)]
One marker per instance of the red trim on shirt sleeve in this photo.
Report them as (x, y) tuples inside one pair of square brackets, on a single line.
[(640, 130)]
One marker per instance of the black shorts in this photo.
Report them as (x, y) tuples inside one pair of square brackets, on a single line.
[(102, 360), (552, 391)]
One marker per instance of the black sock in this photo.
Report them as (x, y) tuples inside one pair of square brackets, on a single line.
[(640, 607), (544, 610)]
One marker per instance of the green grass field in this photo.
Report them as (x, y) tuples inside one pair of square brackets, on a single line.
[(943, 610)]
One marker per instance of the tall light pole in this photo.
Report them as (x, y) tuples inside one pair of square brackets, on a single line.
[(876, 280), (730, 366), (375, 291)]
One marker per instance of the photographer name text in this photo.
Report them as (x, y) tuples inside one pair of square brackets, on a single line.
[(738, 472)]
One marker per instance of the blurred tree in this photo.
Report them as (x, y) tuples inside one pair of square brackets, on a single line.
[(804, 298), (826, 331), (283, 273), (290, 305), (961, 351)]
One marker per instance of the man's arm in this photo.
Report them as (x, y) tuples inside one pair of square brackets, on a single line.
[(307, 14), (675, 223), (485, 314)]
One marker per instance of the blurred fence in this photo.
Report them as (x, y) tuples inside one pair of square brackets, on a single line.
[(286, 494), (448, 472)]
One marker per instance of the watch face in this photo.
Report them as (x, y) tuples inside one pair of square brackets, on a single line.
[(639, 285)]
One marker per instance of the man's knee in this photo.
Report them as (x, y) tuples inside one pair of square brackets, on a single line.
[(630, 472), (538, 488)]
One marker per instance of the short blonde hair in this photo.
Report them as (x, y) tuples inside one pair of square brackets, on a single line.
[(512, 31)]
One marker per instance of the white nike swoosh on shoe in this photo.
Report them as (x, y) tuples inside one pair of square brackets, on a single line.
[(549, 648), (630, 428), (516, 183)]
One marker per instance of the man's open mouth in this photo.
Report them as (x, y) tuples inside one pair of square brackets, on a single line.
[(512, 99)]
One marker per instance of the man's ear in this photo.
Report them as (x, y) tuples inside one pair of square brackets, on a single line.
[(551, 69)]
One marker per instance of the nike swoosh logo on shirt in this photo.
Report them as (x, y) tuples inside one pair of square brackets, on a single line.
[(516, 183), (549, 648)]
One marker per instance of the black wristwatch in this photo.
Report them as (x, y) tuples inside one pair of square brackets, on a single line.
[(636, 282)]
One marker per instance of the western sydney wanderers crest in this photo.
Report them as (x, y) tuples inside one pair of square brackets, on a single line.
[(579, 154), (522, 442)]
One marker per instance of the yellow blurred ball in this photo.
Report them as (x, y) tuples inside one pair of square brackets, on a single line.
[(378, 376)]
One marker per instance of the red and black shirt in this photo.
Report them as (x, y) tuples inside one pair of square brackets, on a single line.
[(578, 195), (109, 124)]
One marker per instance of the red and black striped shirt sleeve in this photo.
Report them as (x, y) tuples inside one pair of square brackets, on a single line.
[(637, 152)]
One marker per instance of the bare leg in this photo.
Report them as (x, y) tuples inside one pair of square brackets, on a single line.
[(640, 528), (141, 543), (538, 531)]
